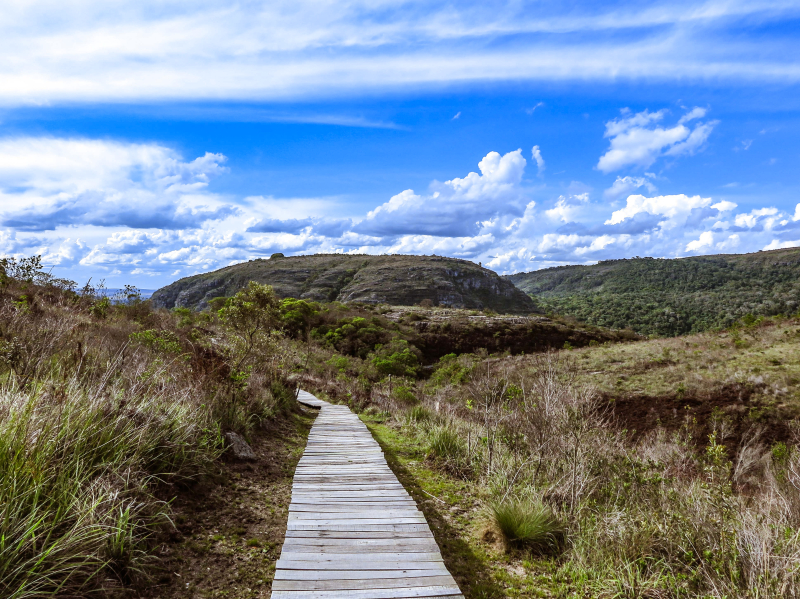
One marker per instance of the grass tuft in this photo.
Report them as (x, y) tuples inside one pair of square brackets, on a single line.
[(447, 444), (419, 414), (529, 524)]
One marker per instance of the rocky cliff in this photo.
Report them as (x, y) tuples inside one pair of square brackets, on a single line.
[(397, 280)]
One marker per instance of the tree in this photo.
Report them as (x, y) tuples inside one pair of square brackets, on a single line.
[(253, 315)]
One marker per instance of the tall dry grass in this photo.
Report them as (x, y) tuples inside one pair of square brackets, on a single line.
[(665, 516), (106, 410)]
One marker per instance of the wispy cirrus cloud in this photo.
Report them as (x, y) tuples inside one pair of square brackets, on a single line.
[(82, 51)]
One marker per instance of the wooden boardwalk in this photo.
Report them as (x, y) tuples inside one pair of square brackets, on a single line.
[(353, 531)]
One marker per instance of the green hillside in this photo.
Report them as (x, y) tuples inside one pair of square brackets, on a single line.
[(396, 280), (668, 297)]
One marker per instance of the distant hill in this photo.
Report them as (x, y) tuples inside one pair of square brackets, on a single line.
[(397, 280), (668, 297)]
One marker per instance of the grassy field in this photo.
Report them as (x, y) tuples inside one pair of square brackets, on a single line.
[(664, 468), (660, 468)]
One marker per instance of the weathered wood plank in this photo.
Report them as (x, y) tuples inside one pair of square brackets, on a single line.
[(358, 574), (417, 592), (371, 583), (305, 565), (359, 534)]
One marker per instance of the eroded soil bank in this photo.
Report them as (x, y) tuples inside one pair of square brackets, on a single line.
[(229, 529)]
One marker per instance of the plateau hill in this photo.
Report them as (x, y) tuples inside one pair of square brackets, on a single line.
[(668, 297), (396, 280)]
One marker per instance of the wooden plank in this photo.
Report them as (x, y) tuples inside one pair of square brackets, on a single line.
[(320, 557), (325, 565), (417, 592), (370, 583), (367, 543), (393, 548), (359, 514), (358, 574), (360, 534), (360, 526)]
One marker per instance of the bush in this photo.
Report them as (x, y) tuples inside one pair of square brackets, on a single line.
[(404, 395), (452, 369), (355, 336), (529, 524), (396, 358)]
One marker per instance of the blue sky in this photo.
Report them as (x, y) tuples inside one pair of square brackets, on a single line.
[(141, 142)]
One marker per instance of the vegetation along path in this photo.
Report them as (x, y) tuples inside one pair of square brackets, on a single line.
[(353, 530)]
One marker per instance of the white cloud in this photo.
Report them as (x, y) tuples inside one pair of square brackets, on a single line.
[(706, 240), (694, 113), (457, 116), (779, 245), (48, 182), (110, 209), (532, 109), (625, 185), (638, 141), (568, 207), (536, 154), (454, 208), (732, 242), (671, 207), (82, 51), (751, 219), (598, 244), (724, 206)]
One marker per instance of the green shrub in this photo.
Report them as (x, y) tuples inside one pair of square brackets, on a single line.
[(100, 308), (529, 524), (159, 341), (404, 395), (396, 358), (355, 336), (298, 316), (340, 363), (452, 369)]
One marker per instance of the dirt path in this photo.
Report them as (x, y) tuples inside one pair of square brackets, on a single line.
[(229, 530)]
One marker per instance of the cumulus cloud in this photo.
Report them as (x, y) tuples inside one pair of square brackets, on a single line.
[(755, 218), (455, 208), (274, 225), (705, 240), (49, 182), (672, 208), (731, 243), (128, 210), (779, 245), (568, 207), (637, 140), (624, 186)]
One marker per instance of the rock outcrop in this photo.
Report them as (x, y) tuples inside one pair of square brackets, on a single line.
[(396, 280)]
